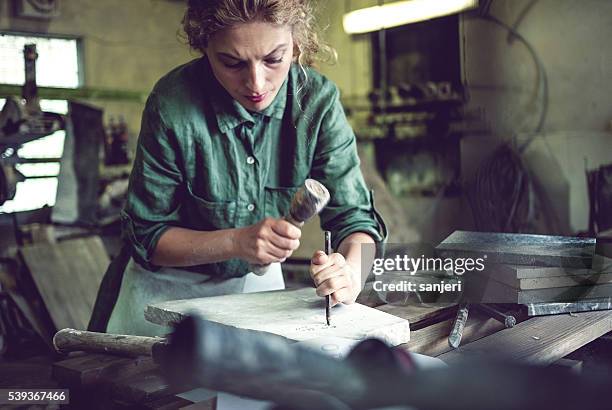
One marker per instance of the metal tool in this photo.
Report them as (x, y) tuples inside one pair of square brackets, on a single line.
[(454, 339), (328, 297), (308, 201), (508, 320)]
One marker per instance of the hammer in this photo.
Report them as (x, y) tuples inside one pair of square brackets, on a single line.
[(308, 201)]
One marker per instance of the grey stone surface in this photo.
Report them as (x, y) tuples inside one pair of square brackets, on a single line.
[(539, 277), (519, 249), (492, 291), (295, 314)]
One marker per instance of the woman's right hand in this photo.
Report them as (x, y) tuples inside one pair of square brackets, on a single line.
[(268, 241)]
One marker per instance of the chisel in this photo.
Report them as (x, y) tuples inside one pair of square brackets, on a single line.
[(328, 297)]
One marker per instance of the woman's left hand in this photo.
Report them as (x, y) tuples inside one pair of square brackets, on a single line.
[(333, 276)]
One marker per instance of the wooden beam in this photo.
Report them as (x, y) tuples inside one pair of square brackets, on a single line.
[(539, 340), (142, 387), (87, 369), (433, 340), (415, 314), (67, 275)]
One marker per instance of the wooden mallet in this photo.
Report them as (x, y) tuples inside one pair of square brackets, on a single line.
[(308, 201)]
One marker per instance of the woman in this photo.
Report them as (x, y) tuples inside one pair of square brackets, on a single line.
[(225, 142)]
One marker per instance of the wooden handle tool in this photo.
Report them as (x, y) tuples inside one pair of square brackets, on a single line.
[(308, 201), (69, 340)]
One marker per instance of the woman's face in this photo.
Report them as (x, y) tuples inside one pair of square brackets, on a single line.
[(251, 61)]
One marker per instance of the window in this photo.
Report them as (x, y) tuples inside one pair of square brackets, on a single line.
[(57, 66)]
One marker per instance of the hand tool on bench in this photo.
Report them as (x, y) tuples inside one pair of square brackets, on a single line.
[(308, 201), (454, 339), (508, 320)]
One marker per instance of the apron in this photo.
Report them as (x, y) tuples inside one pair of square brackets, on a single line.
[(140, 287)]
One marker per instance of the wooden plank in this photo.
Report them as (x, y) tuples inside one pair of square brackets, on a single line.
[(295, 314), (67, 275), (607, 337), (43, 328), (142, 387), (89, 369), (171, 402), (415, 314), (540, 340), (519, 249), (31, 373), (433, 340)]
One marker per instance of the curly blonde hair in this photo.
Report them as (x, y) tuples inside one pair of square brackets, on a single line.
[(203, 18)]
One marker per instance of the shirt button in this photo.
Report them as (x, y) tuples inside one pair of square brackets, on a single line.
[(251, 207), (250, 160)]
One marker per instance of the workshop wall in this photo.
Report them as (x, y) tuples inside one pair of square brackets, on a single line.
[(127, 45), (571, 40), (569, 37), (353, 70), (429, 219)]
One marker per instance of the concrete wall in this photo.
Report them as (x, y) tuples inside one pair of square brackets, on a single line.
[(127, 45), (353, 71), (571, 38), (424, 218)]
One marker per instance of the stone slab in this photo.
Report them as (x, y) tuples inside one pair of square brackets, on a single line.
[(519, 249), (297, 314)]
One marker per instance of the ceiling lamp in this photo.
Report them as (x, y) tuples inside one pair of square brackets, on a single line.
[(402, 12)]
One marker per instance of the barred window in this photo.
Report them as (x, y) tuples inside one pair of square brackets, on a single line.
[(57, 66)]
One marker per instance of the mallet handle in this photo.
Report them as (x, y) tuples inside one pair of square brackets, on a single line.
[(68, 340)]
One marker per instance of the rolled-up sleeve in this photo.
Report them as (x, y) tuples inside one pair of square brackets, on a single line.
[(153, 199), (336, 165)]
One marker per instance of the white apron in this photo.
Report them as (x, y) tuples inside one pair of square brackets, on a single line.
[(141, 287)]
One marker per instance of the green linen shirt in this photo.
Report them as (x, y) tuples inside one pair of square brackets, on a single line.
[(204, 162)]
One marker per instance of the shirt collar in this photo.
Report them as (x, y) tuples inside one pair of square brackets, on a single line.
[(230, 113)]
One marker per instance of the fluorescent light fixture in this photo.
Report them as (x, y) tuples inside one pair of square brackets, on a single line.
[(402, 12)]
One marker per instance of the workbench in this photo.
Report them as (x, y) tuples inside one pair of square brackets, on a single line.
[(544, 340), (540, 340)]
